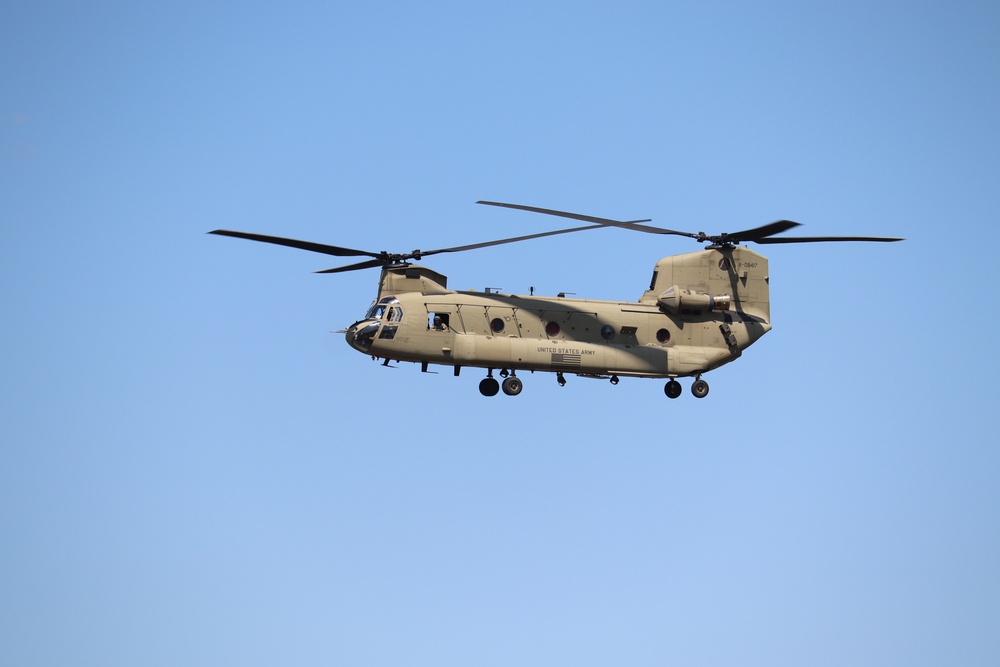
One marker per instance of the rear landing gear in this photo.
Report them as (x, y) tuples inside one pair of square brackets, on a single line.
[(699, 388), (672, 389)]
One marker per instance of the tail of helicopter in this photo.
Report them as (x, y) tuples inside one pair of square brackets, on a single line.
[(708, 278)]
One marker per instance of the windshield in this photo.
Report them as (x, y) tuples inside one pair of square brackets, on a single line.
[(377, 311)]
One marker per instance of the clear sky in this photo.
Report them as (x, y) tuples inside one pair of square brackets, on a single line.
[(194, 470)]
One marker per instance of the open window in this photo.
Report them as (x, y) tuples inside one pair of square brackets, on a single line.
[(439, 321)]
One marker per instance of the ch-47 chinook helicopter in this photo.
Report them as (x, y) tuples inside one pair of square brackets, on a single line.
[(702, 309)]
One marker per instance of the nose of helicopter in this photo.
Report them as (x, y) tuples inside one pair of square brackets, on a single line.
[(360, 335)]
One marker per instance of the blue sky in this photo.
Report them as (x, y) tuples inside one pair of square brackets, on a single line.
[(194, 470)]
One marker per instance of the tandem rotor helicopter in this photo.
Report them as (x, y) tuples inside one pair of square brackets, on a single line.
[(702, 309)]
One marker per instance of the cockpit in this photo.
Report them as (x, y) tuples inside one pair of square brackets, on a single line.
[(376, 311), (387, 310)]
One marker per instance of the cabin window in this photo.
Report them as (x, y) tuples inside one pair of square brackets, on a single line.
[(607, 332), (496, 325), (438, 322), (552, 329), (395, 314), (663, 336)]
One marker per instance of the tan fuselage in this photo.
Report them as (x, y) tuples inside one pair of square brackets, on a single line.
[(701, 311)]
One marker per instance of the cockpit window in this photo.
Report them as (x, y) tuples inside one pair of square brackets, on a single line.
[(377, 311)]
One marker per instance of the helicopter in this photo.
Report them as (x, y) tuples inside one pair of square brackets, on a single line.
[(701, 311)]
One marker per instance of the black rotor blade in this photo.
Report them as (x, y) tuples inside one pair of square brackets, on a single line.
[(371, 263), (825, 239), (417, 254), (607, 222), (474, 246), (758, 233), (294, 243), (380, 259)]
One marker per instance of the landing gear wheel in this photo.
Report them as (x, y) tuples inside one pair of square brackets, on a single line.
[(489, 387), (673, 389), (699, 389), (512, 386)]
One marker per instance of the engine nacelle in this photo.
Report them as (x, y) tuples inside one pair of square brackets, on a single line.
[(678, 300)]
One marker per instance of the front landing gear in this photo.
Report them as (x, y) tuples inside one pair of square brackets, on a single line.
[(512, 385)]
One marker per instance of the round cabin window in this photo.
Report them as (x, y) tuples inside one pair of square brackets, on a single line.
[(663, 336), (607, 332), (552, 329), (496, 325)]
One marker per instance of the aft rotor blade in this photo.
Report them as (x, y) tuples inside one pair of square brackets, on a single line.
[(825, 239), (758, 233), (370, 264), (294, 243), (607, 222)]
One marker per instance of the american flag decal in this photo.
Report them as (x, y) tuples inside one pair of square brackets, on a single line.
[(565, 360)]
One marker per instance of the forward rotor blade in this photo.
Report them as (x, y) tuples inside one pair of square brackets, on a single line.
[(825, 239), (474, 246), (294, 243), (758, 233), (607, 222), (370, 264)]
